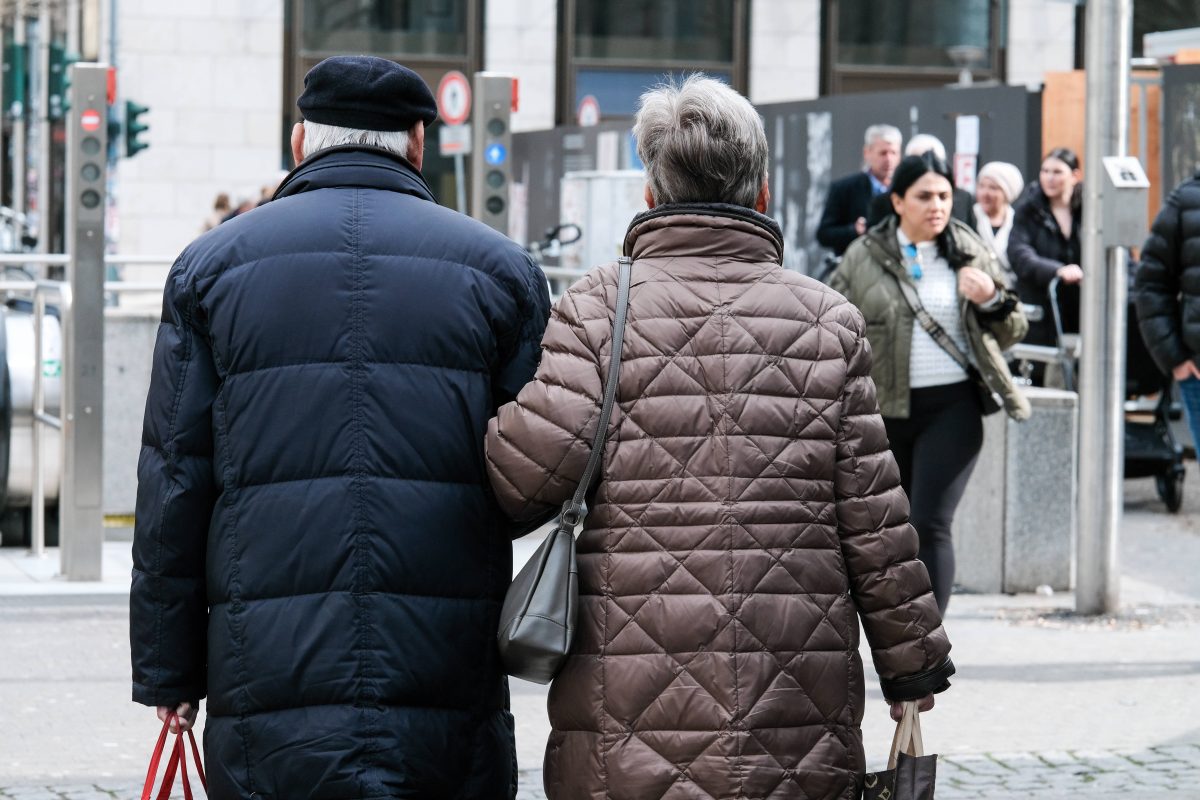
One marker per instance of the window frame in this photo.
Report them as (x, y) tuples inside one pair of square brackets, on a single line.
[(834, 74), (568, 64)]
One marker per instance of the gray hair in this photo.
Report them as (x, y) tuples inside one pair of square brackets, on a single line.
[(701, 142), (889, 133), (321, 137), (924, 143)]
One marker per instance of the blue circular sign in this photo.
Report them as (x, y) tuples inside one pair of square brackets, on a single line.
[(495, 154)]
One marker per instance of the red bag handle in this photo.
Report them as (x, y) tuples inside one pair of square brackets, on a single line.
[(176, 762)]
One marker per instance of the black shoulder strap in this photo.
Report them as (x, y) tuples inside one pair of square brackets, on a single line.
[(574, 506)]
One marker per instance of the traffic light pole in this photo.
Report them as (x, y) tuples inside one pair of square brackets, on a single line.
[(43, 116), (1102, 379), (18, 127), (81, 519), (491, 149)]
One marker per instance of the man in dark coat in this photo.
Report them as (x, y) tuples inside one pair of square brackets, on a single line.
[(962, 204), (1167, 290), (844, 217), (317, 549)]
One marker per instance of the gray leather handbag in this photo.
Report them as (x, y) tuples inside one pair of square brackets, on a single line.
[(537, 621)]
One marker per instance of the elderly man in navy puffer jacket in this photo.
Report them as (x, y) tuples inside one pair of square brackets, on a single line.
[(317, 550)]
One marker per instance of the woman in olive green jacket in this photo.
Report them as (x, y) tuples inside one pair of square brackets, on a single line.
[(932, 394)]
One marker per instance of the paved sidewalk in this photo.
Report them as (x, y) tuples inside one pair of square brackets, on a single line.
[(1046, 705)]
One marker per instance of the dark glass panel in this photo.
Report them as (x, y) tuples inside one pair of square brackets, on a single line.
[(386, 27), (654, 30)]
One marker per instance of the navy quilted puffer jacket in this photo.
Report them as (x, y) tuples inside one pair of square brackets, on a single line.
[(317, 549)]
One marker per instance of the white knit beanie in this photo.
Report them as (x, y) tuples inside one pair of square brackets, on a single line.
[(1005, 174)]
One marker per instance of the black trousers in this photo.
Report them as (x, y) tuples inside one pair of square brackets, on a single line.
[(936, 449)]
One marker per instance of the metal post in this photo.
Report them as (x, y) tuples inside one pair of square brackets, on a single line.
[(19, 168), (43, 119), (81, 521), (1102, 373), (460, 183), (73, 27), (37, 533)]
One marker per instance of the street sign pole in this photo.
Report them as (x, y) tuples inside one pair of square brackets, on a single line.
[(1102, 378), (454, 107), (81, 520), (460, 182)]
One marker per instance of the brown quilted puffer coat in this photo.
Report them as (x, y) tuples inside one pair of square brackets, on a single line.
[(748, 515)]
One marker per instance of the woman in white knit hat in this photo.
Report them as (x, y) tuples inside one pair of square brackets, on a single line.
[(998, 186)]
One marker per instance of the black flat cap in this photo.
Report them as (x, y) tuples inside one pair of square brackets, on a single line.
[(367, 93)]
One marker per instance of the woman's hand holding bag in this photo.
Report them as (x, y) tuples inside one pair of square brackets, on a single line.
[(910, 774)]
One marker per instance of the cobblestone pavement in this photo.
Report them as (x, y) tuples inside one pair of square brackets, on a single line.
[(1170, 772)]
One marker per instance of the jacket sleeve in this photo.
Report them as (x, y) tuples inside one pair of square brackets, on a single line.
[(1157, 287), (890, 587), (833, 231), (538, 445), (168, 610), (1007, 321), (1023, 255), (519, 359)]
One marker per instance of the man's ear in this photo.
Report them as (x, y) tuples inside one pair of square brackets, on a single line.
[(649, 197), (298, 142), (764, 198), (416, 145)]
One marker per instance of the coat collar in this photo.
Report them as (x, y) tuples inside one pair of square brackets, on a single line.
[(354, 166), (671, 230)]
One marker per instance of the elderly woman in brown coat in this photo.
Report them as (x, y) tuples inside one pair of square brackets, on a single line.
[(748, 514)]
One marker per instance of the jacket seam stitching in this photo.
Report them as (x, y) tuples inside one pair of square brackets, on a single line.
[(236, 626), (186, 341)]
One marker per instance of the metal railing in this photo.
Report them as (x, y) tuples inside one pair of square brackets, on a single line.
[(37, 511), (38, 291)]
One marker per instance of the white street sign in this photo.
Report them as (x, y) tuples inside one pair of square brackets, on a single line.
[(454, 139)]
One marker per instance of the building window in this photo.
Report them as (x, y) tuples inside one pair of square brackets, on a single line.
[(412, 27), (431, 37), (614, 50), (878, 44)]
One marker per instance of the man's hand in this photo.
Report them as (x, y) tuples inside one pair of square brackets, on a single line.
[(924, 704), (976, 285), (1070, 273), (1185, 371), (860, 225), (185, 716)]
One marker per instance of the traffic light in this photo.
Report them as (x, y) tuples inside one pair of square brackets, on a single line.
[(59, 80), (133, 128), (15, 75), (491, 158)]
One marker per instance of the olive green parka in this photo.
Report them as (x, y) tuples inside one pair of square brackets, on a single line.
[(867, 277)]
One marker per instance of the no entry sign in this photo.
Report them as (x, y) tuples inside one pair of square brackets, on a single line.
[(454, 98), (90, 120)]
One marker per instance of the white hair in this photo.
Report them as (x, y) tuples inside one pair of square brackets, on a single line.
[(701, 142), (321, 137), (889, 133), (924, 143)]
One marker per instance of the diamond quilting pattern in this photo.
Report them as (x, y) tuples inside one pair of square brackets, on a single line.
[(746, 495)]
